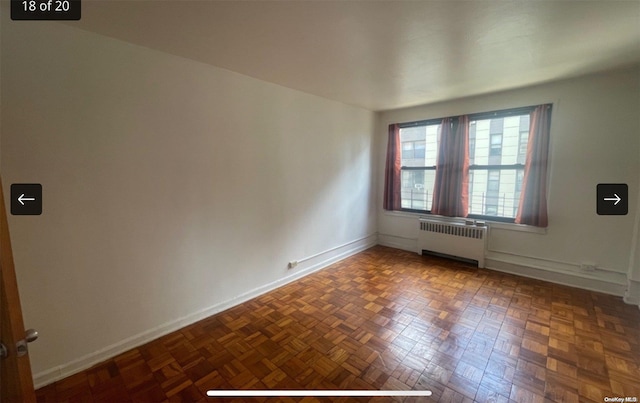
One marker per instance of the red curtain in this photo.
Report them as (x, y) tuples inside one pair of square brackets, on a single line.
[(533, 199), (392, 178), (451, 188)]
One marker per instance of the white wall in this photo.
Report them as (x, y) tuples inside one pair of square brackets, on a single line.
[(595, 138), (171, 188)]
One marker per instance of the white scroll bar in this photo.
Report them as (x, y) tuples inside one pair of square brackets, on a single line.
[(316, 393)]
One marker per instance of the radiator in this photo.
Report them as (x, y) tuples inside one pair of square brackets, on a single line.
[(452, 239)]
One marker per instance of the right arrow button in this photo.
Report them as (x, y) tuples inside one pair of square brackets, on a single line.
[(612, 199), (616, 199)]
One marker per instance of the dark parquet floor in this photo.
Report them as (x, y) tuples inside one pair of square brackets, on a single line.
[(386, 319)]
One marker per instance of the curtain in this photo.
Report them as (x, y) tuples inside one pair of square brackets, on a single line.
[(533, 198), (451, 188), (392, 178)]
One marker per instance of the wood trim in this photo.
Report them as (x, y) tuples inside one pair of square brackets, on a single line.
[(15, 375)]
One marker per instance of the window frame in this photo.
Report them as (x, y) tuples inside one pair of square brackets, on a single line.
[(496, 114)]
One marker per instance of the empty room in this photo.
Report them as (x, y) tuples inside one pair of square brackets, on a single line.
[(310, 201)]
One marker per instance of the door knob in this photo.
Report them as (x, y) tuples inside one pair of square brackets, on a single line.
[(32, 335), (21, 346)]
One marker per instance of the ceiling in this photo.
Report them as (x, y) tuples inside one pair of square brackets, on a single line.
[(383, 55)]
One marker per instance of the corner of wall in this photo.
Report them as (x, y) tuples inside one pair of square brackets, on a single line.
[(632, 294)]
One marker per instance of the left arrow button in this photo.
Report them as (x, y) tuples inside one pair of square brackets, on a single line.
[(26, 199), (22, 199)]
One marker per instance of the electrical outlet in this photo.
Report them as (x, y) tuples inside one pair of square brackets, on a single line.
[(293, 264)]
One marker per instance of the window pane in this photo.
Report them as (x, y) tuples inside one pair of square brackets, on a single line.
[(499, 141), (417, 189), (419, 145), (495, 192), (419, 149)]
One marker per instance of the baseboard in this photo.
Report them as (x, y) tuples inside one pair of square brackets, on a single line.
[(604, 282), (318, 262), (601, 281), (398, 242), (607, 282), (632, 295)]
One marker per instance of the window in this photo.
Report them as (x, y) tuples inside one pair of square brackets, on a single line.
[(497, 151), (497, 161), (496, 145), (419, 153)]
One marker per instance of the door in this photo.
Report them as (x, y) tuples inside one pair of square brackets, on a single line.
[(16, 382)]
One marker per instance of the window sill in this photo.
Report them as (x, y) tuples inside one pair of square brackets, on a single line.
[(491, 224)]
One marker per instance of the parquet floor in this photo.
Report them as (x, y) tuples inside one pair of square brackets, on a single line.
[(393, 320)]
